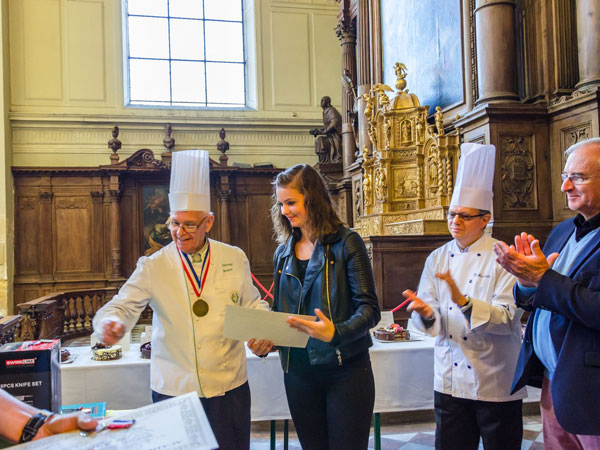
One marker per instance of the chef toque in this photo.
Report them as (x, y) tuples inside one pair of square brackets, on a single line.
[(190, 181), (475, 177)]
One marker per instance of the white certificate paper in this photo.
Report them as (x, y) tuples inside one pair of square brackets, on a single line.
[(247, 323), (177, 424)]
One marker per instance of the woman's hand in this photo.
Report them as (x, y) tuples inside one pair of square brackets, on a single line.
[(322, 329), (64, 423), (260, 348)]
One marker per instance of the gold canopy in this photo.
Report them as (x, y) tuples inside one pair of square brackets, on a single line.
[(407, 181)]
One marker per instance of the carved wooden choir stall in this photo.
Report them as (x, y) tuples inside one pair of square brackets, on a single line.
[(80, 230)]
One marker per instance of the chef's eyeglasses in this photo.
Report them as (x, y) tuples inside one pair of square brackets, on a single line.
[(577, 178), (464, 217), (187, 227)]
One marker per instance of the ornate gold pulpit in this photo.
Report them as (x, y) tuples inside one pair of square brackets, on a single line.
[(407, 181)]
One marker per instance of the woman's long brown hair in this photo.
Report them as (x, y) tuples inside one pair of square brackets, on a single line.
[(322, 217)]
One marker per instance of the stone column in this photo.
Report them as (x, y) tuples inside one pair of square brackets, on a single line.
[(364, 69), (347, 35), (496, 50), (588, 42), (376, 56)]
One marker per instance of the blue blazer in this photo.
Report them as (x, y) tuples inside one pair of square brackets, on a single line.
[(575, 330)]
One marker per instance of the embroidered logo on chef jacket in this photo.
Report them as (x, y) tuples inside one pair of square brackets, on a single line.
[(227, 267), (235, 297), (481, 275)]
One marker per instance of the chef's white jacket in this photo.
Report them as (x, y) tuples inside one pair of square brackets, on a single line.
[(475, 358), (189, 353)]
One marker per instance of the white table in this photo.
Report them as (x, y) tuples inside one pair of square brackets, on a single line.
[(403, 380), (122, 384)]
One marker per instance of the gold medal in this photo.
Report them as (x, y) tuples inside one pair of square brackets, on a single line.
[(200, 308)]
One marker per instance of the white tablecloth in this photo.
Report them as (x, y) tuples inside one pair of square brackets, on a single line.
[(122, 384), (403, 379)]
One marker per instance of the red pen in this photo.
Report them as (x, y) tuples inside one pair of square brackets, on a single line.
[(409, 299)]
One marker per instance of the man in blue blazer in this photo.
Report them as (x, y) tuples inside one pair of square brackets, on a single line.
[(561, 347)]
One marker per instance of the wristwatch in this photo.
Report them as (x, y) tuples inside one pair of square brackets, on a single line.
[(467, 304), (34, 424)]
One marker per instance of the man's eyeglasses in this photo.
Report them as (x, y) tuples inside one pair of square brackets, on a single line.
[(464, 217), (188, 228), (577, 178)]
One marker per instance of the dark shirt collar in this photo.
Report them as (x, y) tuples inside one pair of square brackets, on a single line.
[(583, 227)]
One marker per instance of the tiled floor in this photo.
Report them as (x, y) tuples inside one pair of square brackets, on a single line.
[(417, 436)]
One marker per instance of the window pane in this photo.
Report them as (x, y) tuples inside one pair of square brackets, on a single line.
[(225, 83), (149, 80), (223, 9), (185, 8), (187, 39), (188, 81), (148, 38), (147, 7), (224, 41)]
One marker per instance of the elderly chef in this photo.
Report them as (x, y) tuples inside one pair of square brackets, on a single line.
[(188, 284), (465, 300)]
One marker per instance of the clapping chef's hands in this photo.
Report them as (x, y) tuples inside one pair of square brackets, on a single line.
[(322, 329), (418, 305), (455, 294), (525, 259)]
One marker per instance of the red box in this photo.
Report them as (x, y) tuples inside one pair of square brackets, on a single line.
[(30, 371)]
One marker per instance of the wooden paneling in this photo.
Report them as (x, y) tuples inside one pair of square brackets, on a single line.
[(73, 235), (27, 234), (397, 264), (63, 218)]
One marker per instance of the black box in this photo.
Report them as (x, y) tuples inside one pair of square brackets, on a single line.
[(30, 371)]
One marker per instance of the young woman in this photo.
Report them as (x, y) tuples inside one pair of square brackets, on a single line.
[(322, 269)]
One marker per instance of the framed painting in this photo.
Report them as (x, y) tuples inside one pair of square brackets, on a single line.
[(155, 201)]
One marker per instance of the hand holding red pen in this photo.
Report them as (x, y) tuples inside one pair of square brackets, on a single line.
[(418, 305)]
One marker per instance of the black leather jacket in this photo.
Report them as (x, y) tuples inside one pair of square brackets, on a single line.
[(339, 281)]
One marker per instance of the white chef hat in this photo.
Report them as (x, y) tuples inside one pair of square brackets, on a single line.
[(475, 177), (190, 181)]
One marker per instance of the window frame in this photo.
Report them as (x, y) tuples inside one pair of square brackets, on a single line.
[(248, 62)]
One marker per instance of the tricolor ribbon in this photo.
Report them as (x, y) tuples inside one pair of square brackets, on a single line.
[(189, 267)]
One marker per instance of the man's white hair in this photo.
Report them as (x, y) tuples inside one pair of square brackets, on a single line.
[(578, 145)]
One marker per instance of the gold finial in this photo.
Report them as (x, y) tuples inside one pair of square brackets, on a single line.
[(400, 70)]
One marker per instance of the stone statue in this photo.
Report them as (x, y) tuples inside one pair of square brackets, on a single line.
[(439, 121), (168, 141), (328, 140)]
